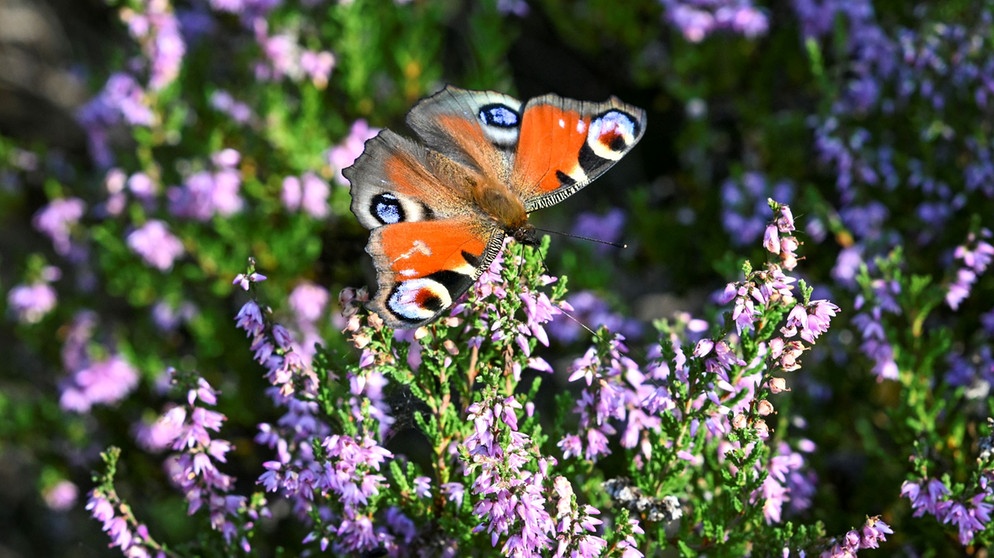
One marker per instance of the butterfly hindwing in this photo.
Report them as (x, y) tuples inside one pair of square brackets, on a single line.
[(424, 267), (564, 144)]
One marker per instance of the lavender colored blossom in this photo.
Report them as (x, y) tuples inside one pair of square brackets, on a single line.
[(976, 255), (168, 317), (61, 496), (512, 502), (101, 382), (875, 344), (932, 497), (193, 468), (251, 9), (308, 301), (156, 245), (344, 154), (158, 31), (142, 186), (281, 54), (518, 8), (31, 303), (615, 391), (317, 65), (847, 266), (575, 524), (56, 221), (292, 193), (122, 101), (314, 196), (697, 19), (873, 532), (781, 482), (132, 538), (225, 103), (206, 193), (745, 207)]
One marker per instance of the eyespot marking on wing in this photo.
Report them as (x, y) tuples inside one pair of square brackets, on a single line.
[(417, 300), (387, 209), (610, 134), (501, 123)]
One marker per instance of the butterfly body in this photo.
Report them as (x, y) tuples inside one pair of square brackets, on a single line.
[(439, 210)]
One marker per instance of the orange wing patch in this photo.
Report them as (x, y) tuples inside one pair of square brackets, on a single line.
[(418, 249), (407, 174), (548, 149)]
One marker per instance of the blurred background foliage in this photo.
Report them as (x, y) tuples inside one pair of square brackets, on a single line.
[(736, 114)]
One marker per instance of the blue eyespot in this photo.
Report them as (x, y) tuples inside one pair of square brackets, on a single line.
[(386, 208), (500, 116)]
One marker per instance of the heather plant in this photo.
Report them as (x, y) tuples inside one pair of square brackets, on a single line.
[(191, 370)]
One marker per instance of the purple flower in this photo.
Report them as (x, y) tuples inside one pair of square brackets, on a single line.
[(130, 537), (292, 193), (205, 193), (122, 101), (976, 255), (168, 317), (30, 303), (308, 301), (697, 19), (519, 8), (314, 200), (158, 31), (616, 390), (575, 524), (317, 66), (61, 496), (875, 344), (193, 469), (156, 245), (512, 502), (243, 280), (56, 220), (344, 154), (141, 186), (422, 487), (102, 382), (745, 207), (873, 532), (777, 488), (847, 265), (931, 500), (223, 102)]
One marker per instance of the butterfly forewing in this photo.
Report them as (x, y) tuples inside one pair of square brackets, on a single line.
[(476, 128), (564, 145)]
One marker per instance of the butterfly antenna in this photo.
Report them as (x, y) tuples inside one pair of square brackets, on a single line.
[(578, 322), (587, 238)]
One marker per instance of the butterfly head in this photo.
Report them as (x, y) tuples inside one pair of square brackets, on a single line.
[(525, 234)]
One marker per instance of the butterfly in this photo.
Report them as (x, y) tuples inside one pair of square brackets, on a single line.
[(439, 209)]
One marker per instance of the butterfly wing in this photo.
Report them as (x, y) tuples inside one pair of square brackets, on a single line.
[(563, 145), (428, 242), (423, 267), (478, 129)]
